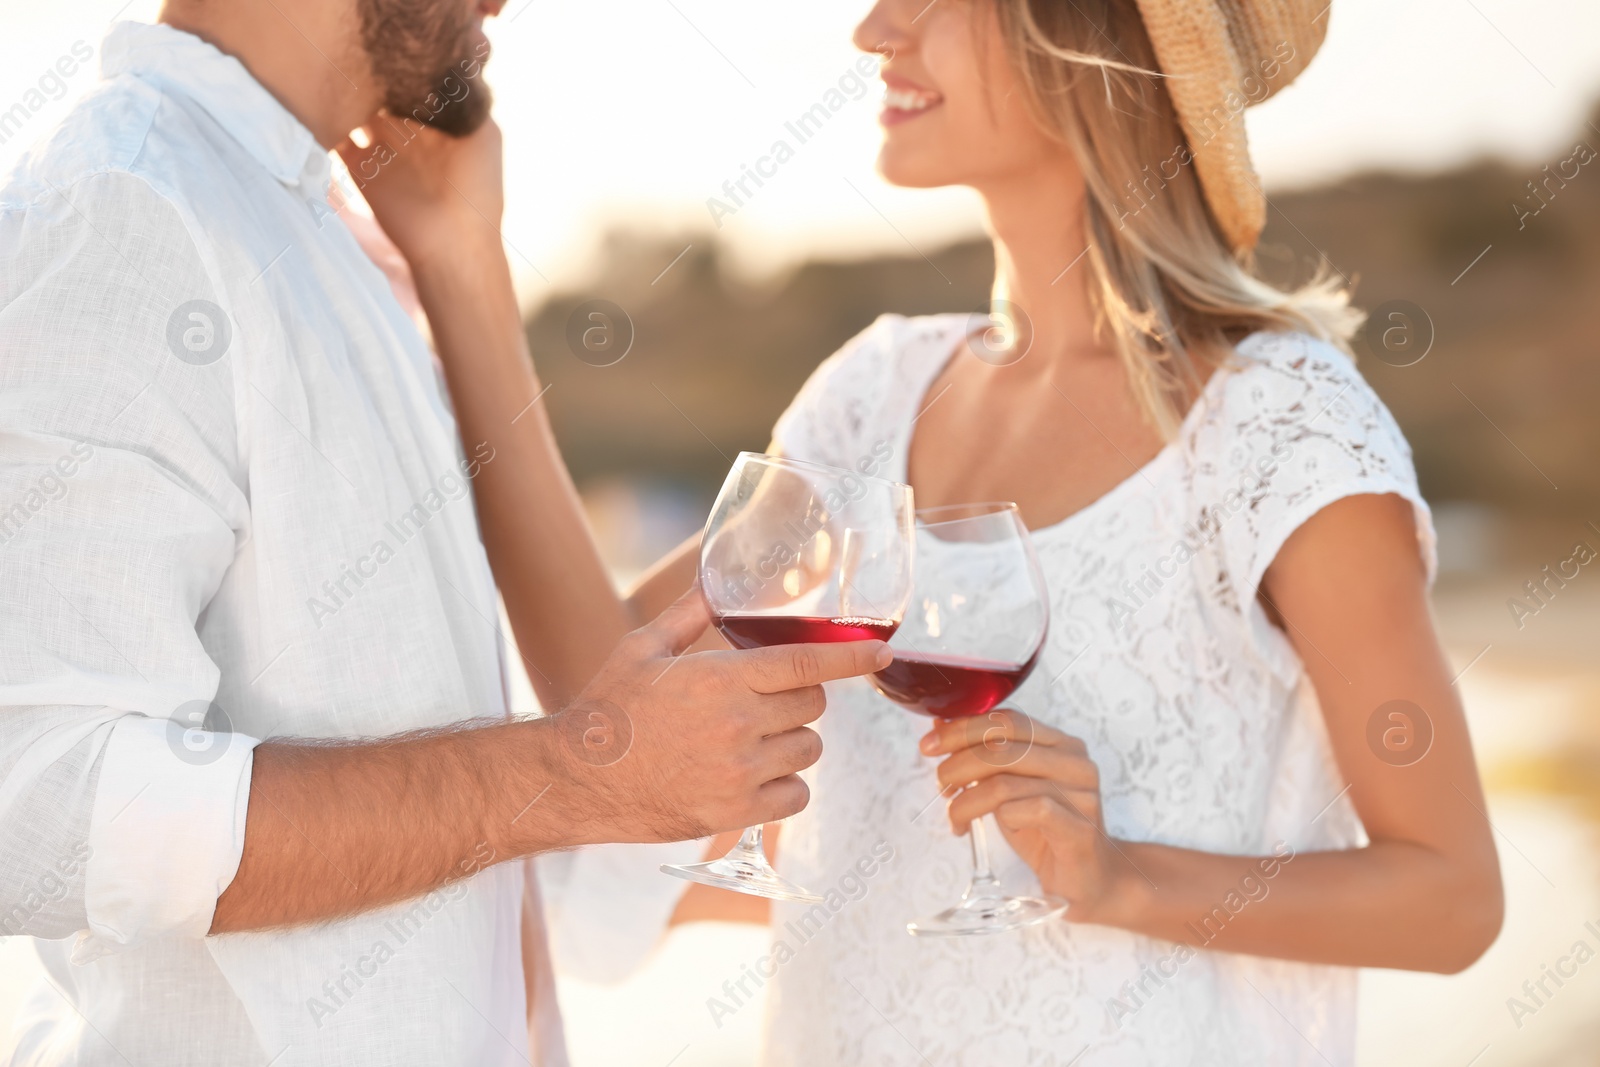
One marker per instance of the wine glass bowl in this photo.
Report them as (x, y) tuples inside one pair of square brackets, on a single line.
[(800, 552), (972, 634), (978, 614), (793, 553)]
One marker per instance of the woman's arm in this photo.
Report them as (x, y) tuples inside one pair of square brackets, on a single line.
[(564, 610), (1350, 591), (665, 582), (439, 199)]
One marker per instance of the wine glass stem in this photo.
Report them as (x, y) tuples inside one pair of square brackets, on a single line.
[(983, 880), (750, 841)]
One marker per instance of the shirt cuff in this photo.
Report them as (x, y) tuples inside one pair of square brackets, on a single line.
[(167, 832)]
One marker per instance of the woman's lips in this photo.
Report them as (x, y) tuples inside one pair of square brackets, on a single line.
[(903, 102)]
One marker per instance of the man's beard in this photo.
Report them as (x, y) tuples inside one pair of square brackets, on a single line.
[(422, 52)]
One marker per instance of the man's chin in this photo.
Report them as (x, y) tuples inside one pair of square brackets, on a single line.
[(452, 103), (465, 117)]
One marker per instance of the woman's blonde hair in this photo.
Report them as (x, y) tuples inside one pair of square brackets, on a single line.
[(1175, 298)]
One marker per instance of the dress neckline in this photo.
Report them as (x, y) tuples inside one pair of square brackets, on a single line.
[(952, 330)]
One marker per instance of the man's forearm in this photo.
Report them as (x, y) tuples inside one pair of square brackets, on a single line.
[(334, 829), (564, 610), (645, 754)]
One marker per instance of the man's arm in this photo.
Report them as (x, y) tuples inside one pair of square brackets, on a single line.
[(122, 505), (660, 747)]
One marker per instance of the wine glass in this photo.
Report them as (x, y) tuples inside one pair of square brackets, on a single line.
[(977, 622), (793, 553)]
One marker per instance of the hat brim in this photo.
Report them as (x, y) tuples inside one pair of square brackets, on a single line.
[(1219, 63)]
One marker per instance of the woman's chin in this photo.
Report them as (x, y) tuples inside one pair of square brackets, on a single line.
[(911, 171)]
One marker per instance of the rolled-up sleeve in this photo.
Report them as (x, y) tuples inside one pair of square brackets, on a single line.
[(122, 792)]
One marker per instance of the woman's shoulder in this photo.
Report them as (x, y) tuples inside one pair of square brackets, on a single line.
[(1289, 427), (856, 389), (1273, 372), (1292, 386)]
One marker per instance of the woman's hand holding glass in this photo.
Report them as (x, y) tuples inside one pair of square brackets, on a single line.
[(1044, 793)]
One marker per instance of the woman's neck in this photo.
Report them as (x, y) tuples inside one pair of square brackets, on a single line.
[(1041, 263)]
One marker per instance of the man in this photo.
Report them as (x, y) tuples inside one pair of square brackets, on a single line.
[(234, 510)]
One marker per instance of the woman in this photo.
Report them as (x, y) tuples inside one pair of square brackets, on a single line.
[(1248, 769), (1238, 557)]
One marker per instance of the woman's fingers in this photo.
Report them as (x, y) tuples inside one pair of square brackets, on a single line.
[(1006, 757), (1058, 763), (1000, 727), (1027, 801), (1046, 815)]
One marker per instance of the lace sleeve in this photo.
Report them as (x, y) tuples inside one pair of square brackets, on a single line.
[(1293, 430), (833, 418)]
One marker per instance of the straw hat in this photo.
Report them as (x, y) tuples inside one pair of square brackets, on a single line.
[(1221, 56)]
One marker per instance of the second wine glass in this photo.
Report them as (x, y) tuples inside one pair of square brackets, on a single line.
[(977, 622), (797, 553)]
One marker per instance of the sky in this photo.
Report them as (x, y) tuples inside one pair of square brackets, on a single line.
[(635, 112)]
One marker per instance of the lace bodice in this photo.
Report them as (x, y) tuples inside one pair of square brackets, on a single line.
[(1194, 706)]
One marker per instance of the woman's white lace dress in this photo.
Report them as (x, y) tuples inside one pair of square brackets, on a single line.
[(1194, 706)]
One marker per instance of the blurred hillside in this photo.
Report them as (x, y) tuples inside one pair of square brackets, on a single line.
[(714, 359)]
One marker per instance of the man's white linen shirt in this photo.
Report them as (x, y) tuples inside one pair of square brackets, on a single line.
[(232, 497)]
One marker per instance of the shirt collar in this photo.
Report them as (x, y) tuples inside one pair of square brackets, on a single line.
[(182, 64)]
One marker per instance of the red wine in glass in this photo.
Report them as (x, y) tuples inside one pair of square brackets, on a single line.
[(799, 553), (950, 687), (755, 631)]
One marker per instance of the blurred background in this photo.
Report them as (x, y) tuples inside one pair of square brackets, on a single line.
[(1406, 159)]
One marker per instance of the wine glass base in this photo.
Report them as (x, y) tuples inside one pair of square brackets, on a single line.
[(743, 874), (988, 915)]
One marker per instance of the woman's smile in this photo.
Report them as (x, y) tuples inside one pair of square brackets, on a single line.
[(904, 100)]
